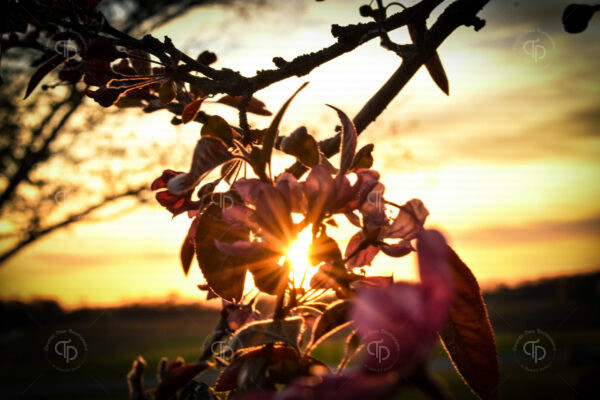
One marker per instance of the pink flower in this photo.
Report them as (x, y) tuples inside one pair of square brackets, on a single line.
[(366, 244), (327, 195), (399, 324)]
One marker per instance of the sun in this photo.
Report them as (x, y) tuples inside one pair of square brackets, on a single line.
[(297, 254)]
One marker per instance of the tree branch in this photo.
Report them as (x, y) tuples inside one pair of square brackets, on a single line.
[(461, 12), (33, 236)]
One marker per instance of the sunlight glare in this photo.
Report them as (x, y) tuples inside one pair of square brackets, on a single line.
[(298, 257)]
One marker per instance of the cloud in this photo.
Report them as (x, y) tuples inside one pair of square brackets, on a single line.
[(542, 231)]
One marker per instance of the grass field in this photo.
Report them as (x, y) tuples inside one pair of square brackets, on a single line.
[(115, 337)]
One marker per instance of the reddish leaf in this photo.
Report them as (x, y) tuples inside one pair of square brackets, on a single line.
[(42, 71), (269, 276), (335, 317), (303, 146), (209, 153), (255, 361), (186, 255), (254, 106), (223, 273), (468, 336), (191, 110), (348, 142)]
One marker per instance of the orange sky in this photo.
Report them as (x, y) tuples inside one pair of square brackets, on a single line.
[(507, 165)]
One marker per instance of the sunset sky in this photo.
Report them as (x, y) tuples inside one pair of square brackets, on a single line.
[(508, 164)]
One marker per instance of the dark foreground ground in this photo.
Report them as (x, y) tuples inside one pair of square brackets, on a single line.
[(563, 313)]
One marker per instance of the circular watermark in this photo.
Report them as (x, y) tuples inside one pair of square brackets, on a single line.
[(382, 350), (534, 350), (371, 193), (66, 350), (221, 344), (67, 44), (222, 200), (535, 48)]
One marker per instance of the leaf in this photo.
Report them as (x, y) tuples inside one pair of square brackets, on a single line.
[(468, 337), (271, 135), (438, 74), (216, 126), (47, 67), (363, 158), (269, 277), (434, 65), (267, 332), (186, 254), (177, 378), (224, 274), (348, 142), (254, 106), (191, 110), (334, 318), (257, 360), (352, 346), (301, 145), (209, 153), (167, 92)]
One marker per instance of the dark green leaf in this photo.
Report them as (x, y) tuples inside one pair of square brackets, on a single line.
[(167, 92), (216, 126), (335, 317), (267, 332)]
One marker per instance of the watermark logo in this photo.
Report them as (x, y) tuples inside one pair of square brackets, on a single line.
[(67, 44), (535, 48), (382, 350), (372, 193), (66, 350), (221, 345), (534, 350), (223, 200)]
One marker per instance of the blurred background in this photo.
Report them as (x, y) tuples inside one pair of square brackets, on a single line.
[(507, 165)]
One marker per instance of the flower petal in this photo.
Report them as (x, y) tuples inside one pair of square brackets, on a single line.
[(238, 217), (161, 181), (373, 208), (399, 249), (318, 188), (409, 221), (291, 190), (249, 189), (362, 257)]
